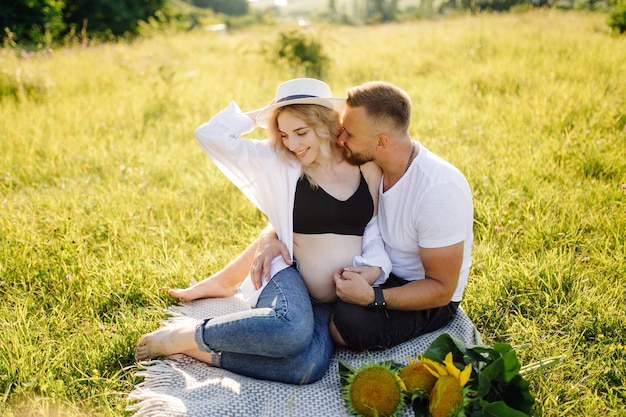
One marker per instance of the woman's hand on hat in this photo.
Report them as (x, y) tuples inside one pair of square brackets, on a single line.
[(253, 114)]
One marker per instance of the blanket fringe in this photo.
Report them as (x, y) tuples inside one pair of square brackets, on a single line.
[(152, 405), (148, 396), (157, 375)]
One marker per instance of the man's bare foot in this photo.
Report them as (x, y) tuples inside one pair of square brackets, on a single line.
[(175, 338), (209, 288)]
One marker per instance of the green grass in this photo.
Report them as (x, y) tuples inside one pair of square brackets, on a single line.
[(106, 201)]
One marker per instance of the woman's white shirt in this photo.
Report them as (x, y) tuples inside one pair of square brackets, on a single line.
[(269, 181)]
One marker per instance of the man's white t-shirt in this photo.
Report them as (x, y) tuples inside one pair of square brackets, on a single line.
[(429, 207)]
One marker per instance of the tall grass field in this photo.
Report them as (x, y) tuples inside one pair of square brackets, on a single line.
[(106, 200)]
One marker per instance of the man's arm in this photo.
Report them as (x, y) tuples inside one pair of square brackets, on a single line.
[(442, 267)]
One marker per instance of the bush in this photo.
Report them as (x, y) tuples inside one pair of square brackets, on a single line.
[(300, 51)]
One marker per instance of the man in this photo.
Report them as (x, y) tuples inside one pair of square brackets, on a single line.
[(425, 215)]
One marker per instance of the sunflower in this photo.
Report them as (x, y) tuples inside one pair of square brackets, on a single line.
[(418, 376), (374, 390), (448, 398)]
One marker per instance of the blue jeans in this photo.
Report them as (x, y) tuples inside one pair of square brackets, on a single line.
[(285, 338)]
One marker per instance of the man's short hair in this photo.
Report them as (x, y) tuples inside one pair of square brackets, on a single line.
[(383, 101)]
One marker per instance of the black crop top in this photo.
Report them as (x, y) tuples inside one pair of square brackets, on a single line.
[(316, 212)]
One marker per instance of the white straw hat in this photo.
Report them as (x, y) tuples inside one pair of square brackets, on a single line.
[(300, 91)]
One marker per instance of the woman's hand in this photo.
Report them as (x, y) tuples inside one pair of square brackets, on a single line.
[(370, 273), (253, 114), (268, 248)]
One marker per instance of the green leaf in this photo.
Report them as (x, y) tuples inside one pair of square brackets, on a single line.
[(445, 344), (345, 371), (394, 366), (500, 381), (499, 409), (481, 354), (503, 348), (517, 395), (499, 372)]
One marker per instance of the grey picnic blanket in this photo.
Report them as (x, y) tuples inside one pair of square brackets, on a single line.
[(182, 386)]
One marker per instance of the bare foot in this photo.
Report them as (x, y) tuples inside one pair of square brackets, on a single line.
[(209, 288), (175, 338)]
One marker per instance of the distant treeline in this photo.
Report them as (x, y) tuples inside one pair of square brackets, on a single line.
[(44, 22)]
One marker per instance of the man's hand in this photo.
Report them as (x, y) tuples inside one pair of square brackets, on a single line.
[(353, 287), (268, 248)]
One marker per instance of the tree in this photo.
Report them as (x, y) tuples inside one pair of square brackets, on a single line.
[(382, 10), (44, 21), (110, 17), (228, 7), (30, 20), (617, 17)]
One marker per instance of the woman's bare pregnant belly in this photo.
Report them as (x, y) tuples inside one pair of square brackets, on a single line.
[(320, 256)]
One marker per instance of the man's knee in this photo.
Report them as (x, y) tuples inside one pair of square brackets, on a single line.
[(356, 327)]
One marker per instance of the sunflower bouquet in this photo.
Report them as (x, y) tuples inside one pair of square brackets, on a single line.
[(450, 379)]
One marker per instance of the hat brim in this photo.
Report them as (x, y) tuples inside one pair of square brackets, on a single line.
[(334, 103)]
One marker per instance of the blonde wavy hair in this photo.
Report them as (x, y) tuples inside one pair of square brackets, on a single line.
[(325, 122)]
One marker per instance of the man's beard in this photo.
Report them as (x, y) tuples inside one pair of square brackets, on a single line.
[(355, 158)]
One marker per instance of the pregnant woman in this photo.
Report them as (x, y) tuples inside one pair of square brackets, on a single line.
[(320, 206)]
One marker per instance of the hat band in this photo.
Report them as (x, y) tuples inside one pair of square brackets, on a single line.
[(295, 97)]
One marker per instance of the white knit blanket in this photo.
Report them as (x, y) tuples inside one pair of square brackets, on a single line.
[(182, 386)]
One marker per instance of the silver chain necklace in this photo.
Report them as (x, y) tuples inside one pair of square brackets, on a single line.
[(408, 164)]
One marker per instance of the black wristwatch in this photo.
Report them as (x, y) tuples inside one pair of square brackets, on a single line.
[(379, 299)]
